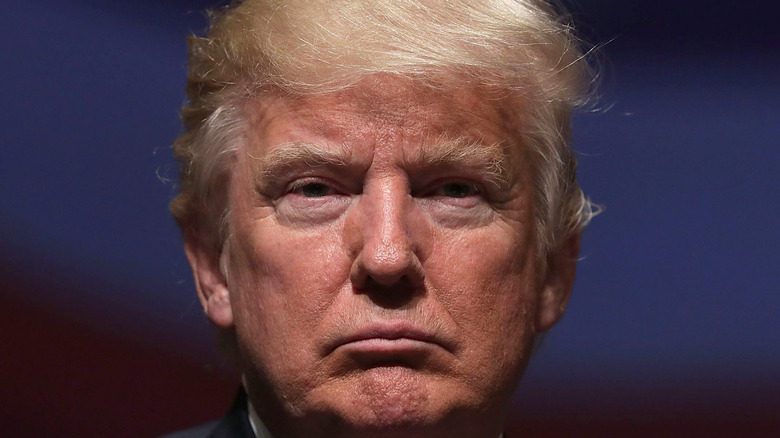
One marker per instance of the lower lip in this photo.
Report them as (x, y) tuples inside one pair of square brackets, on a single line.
[(380, 352), (382, 344)]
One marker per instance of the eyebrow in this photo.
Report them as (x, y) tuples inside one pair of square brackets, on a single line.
[(487, 159), (298, 154)]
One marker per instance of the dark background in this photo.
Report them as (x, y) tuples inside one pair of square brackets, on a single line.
[(672, 329)]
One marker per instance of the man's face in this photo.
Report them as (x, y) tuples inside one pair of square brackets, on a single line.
[(381, 272)]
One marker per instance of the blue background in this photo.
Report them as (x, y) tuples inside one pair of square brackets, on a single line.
[(673, 322)]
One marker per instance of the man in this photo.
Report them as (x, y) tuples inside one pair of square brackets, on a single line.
[(379, 204)]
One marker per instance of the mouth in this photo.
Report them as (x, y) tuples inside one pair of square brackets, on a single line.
[(389, 344)]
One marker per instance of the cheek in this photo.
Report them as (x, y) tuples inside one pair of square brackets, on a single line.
[(291, 265), (486, 282), (286, 281)]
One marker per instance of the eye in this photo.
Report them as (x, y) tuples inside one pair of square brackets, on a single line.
[(456, 203), (313, 190), (310, 201), (459, 189)]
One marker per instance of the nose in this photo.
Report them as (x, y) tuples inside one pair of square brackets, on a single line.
[(386, 230)]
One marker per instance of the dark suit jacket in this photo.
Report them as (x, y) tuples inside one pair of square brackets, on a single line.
[(233, 425)]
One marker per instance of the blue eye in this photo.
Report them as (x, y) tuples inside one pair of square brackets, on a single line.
[(314, 190), (459, 190)]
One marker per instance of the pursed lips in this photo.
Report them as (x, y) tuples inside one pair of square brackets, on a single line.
[(390, 337)]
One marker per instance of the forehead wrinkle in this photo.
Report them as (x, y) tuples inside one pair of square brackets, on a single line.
[(489, 159)]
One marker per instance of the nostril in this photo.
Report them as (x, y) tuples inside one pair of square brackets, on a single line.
[(398, 274), (391, 296), (401, 285), (387, 267)]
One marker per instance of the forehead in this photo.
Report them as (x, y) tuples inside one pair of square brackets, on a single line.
[(388, 110)]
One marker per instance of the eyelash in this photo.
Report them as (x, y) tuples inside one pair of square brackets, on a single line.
[(437, 189), (470, 188), (298, 185), (453, 189)]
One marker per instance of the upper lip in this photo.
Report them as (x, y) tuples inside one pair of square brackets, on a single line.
[(390, 331)]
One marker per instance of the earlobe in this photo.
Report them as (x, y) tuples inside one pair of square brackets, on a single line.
[(558, 284), (210, 281)]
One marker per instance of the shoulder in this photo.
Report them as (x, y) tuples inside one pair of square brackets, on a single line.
[(234, 425)]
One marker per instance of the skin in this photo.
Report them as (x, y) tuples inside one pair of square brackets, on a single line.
[(378, 284)]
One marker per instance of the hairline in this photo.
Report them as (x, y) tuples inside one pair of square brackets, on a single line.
[(220, 78)]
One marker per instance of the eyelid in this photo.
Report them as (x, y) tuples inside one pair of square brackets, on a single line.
[(299, 183), (437, 185)]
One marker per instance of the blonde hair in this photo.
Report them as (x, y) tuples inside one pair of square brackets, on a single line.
[(301, 47)]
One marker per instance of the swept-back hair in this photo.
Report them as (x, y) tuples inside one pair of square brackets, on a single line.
[(303, 47)]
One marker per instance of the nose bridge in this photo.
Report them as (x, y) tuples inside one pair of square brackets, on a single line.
[(387, 238), (388, 253)]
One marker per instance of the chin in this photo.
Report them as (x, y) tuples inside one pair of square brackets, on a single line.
[(397, 401)]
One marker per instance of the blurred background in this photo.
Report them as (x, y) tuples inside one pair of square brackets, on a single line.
[(673, 326)]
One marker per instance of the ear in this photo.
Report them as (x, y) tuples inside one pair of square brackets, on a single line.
[(558, 283), (210, 281)]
